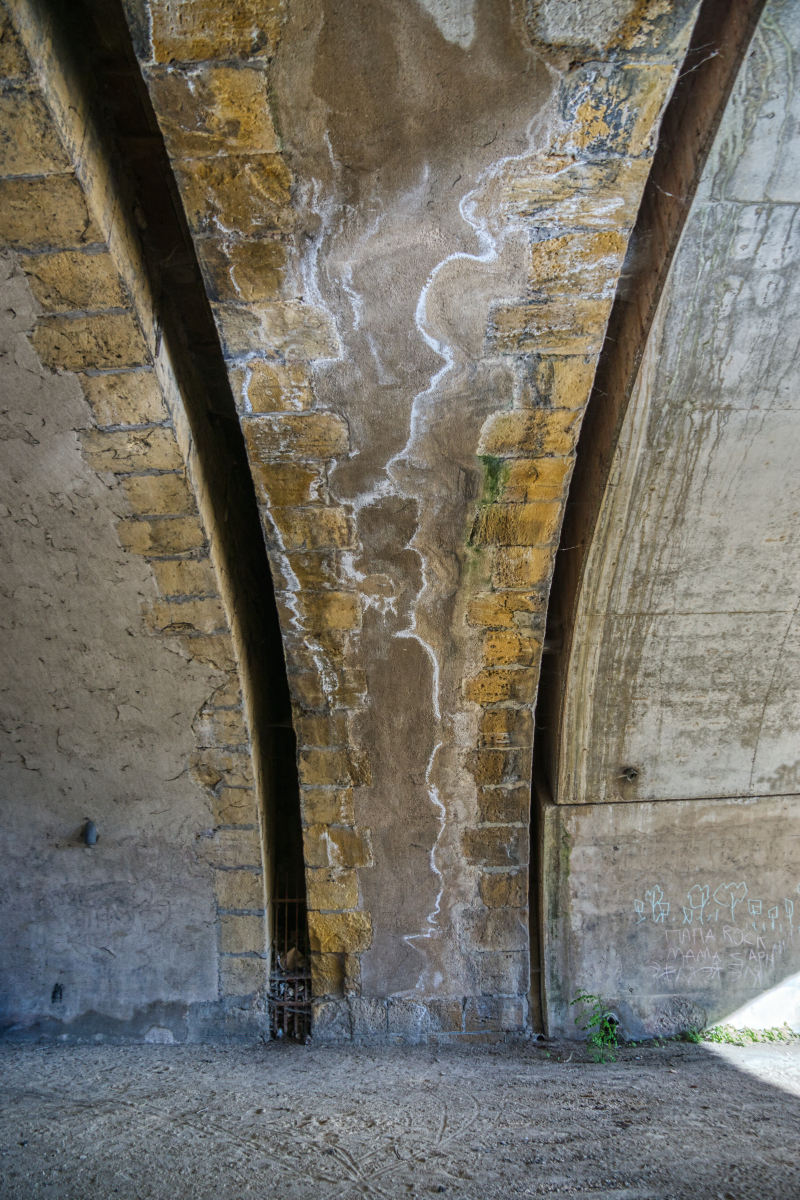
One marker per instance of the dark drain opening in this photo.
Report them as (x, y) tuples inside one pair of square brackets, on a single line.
[(290, 977), (290, 969)]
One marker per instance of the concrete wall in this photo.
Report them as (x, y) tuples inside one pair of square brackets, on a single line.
[(684, 662)]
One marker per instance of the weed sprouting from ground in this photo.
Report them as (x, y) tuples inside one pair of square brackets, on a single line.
[(600, 1027)]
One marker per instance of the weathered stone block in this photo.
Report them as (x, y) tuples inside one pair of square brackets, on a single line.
[(352, 974), (245, 194), (286, 484), (313, 569), (369, 1017), (507, 647), (331, 610), (493, 766), (71, 279), (30, 144), (408, 1021), (529, 433), (494, 1013), (504, 973), (159, 495), (324, 729), (613, 112), (268, 387), (561, 325), (189, 616), (522, 566), (445, 1016), (504, 889), (125, 398), (339, 933), (243, 271), (536, 479), (231, 848), (231, 767), (351, 691), (517, 524), (327, 806), (496, 846), (170, 535), (290, 328), (185, 576), (240, 889), (325, 767), (336, 846), (499, 805), (220, 727), (560, 381), (499, 610), (579, 264), (235, 806), (79, 343), (306, 689), (200, 29), (242, 934), (213, 109), (50, 213), (227, 693), (327, 979), (329, 889), (506, 727), (242, 976), (561, 193), (312, 529), (127, 451), (332, 1022), (499, 929), (496, 686), (296, 435), (216, 650)]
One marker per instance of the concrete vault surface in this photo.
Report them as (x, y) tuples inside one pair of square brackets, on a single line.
[(305, 303)]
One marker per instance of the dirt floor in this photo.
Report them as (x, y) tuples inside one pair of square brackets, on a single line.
[(181, 1123)]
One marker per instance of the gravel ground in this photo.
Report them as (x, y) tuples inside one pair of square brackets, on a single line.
[(196, 1123)]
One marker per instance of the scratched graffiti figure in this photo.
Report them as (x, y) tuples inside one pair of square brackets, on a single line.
[(730, 895), (698, 899), (660, 909)]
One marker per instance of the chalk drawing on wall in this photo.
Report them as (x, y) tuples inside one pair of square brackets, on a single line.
[(714, 932)]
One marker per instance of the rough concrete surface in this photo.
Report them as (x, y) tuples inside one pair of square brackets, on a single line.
[(678, 914), (97, 723), (685, 659), (671, 1123)]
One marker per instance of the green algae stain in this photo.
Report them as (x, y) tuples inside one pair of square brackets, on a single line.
[(496, 472)]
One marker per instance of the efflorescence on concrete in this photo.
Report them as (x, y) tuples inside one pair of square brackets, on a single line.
[(64, 218), (411, 231)]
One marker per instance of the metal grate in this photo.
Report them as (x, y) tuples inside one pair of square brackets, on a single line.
[(290, 977)]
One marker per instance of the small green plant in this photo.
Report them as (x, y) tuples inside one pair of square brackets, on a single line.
[(732, 1036), (692, 1034), (600, 1027)]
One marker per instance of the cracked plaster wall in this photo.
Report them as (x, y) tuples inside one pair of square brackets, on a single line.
[(411, 220)]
